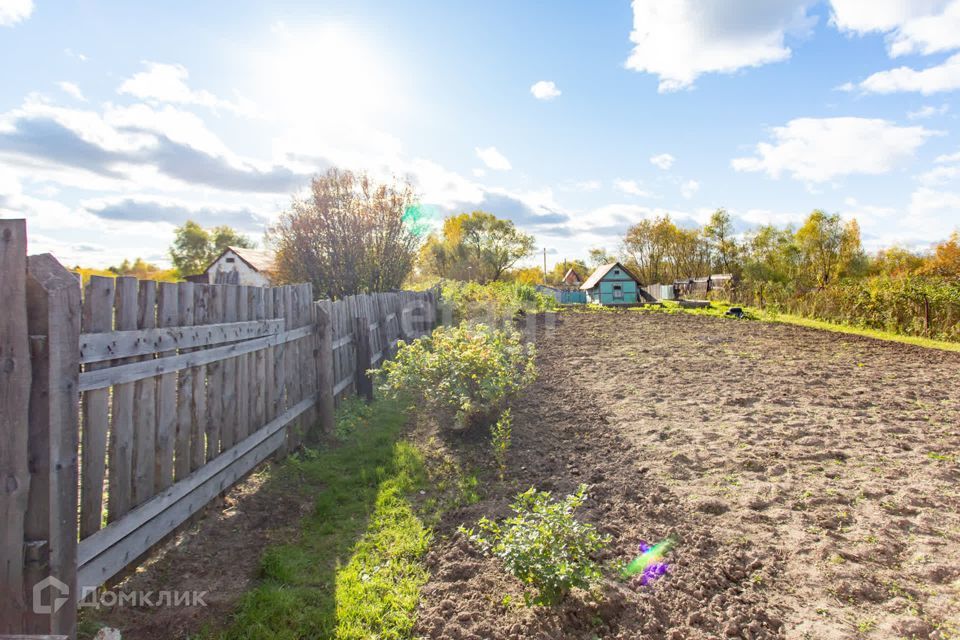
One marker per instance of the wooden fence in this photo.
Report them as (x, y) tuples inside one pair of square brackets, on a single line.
[(127, 408)]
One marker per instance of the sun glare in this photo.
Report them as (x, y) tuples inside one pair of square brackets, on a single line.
[(331, 72)]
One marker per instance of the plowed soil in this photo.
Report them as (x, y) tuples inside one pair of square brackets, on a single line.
[(810, 478)]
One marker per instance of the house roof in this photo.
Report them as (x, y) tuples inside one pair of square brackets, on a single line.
[(601, 271), (571, 272), (256, 259)]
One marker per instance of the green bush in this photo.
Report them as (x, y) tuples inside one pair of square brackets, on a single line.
[(908, 305), (544, 545), (501, 435), (493, 302), (464, 374)]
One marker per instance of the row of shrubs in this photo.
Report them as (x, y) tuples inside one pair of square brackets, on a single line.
[(908, 305), (465, 377), (494, 303)]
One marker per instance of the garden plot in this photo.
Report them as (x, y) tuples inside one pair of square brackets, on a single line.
[(810, 479)]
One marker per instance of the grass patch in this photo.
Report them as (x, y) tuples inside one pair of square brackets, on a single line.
[(355, 571), (718, 309), (877, 334)]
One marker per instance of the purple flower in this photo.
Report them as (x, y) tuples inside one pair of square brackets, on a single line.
[(653, 572)]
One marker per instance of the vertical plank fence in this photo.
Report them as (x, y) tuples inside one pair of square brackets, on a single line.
[(126, 407)]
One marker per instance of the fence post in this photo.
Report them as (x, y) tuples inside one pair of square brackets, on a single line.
[(14, 391), (53, 295), (361, 333), (324, 360)]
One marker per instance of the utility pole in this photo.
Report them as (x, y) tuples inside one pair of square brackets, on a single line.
[(544, 265)]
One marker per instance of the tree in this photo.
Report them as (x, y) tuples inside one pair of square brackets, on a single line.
[(945, 261), (771, 258), (527, 275), (194, 247), (476, 246), (600, 257), (819, 240), (719, 235), (853, 260), (143, 270), (895, 261), (645, 247), (351, 234), (660, 251)]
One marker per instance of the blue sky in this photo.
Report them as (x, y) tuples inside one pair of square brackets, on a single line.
[(119, 120)]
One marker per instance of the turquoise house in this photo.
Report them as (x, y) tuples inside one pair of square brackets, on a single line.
[(613, 284)]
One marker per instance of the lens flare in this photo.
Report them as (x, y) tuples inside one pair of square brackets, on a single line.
[(649, 565)]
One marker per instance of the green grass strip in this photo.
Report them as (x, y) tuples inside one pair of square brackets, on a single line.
[(718, 309), (877, 334), (355, 571)]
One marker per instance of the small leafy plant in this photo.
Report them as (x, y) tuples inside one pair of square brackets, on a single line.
[(463, 374), (500, 439), (543, 544)]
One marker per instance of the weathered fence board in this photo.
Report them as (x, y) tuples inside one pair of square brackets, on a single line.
[(145, 405), (215, 379), (14, 389), (97, 317), (50, 530), (122, 413), (228, 434), (167, 314), (186, 406), (123, 344), (159, 366), (200, 417)]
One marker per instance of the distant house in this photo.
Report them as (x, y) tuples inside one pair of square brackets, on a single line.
[(613, 284), (237, 265), (572, 278)]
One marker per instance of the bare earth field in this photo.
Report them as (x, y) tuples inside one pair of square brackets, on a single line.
[(811, 479)]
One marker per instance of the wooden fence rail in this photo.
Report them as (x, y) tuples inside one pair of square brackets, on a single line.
[(127, 407)]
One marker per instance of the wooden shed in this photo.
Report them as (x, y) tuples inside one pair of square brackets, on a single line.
[(239, 265), (572, 278), (613, 284)]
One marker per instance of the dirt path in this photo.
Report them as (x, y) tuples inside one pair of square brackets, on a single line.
[(811, 478)]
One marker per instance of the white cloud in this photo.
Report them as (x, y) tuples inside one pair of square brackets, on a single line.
[(167, 83), (928, 111), (912, 26), (630, 187), (545, 90), (14, 11), (935, 79), (766, 216), (683, 39), (493, 158), (112, 150), (934, 212), (479, 173), (940, 175), (821, 149), (663, 160), (689, 189), (865, 214), (587, 185), (950, 157), (72, 90), (75, 54)]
